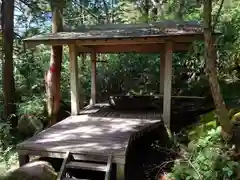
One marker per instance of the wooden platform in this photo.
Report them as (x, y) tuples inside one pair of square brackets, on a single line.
[(93, 135)]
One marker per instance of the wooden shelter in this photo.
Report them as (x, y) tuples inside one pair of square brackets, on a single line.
[(161, 37)]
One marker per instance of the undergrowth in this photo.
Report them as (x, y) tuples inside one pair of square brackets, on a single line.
[(206, 157), (8, 158)]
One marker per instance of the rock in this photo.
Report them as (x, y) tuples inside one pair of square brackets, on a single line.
[(236, 117), (29, 126), (232, 112), (38, 170)]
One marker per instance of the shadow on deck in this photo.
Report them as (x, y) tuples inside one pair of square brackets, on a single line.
[(103, 129)]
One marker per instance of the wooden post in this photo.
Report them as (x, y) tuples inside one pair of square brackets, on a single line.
[(120, 172), (93, 78), (167, 84), (74, 79), (162, 68), (23, 159)]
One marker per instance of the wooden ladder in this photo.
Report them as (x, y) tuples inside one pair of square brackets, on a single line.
[(70, 163)]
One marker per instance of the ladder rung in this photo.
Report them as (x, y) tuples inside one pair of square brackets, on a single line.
[(62, 171), (87, 166), (74, 179)]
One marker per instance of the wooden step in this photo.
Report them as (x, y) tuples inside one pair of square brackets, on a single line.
[(73, 179), (86, 166)]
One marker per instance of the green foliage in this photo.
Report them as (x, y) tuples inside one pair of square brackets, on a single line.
[(124, 73), (209, 158), (207, 122), (5, 137), (8, 158)]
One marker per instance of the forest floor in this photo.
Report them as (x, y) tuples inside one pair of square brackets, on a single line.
[(8, 163)]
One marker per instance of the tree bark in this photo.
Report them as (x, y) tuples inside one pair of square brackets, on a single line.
[(8, 76), (146, 11), (53, 76), (179, 14), (211, 71)]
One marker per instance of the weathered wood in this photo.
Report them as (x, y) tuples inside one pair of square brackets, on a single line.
[(82, 49), (57, 40), (167, 84), (62, 172), (87, 166), (162, 71), (108, 168), (93, 78), (74, 79), (120, 172), (89, 136), (137, 48), (120, 159), (97, 147), (23, 159)]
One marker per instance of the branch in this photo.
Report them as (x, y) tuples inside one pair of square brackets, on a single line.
[(218, 14), (157, 4), (194, 168), (89, 11), (106, 10)]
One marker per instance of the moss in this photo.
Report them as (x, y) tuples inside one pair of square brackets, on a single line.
[(236, 117)]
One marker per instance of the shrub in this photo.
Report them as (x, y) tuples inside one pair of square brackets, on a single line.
[(208, 158)]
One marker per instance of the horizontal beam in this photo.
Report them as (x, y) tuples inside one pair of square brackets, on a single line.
[(137, 48), (60, 42), (85, 48), (140, 40), (77, 156), (30, 43)]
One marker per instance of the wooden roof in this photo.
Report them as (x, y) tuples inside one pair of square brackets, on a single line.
[(112, 38)]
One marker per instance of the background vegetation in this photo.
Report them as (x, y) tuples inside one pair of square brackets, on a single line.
[(123, 73)]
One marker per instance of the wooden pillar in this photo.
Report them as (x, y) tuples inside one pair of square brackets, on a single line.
[(167, 84), (120, 172), (93, 78), (74, 79), (162, 68), (23, 159)]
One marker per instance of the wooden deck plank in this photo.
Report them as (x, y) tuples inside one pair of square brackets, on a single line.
[(119, 158), (98, 130)]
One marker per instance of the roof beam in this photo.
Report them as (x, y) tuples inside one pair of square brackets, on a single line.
[(140, 40), (145, 48), (84, 49), (56, 41)]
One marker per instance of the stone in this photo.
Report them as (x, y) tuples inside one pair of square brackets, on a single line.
[(236, 117), (29, 126), (37, 170)]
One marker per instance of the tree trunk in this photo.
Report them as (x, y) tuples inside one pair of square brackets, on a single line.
[(146, 11), (179, 14), (155, 10), (211, 71), (8, 77), (53, 76)]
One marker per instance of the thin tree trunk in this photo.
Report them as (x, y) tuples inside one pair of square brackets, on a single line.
[(179, 15), (8, 76), (211, 71), (53, 75), (106, 9), (154, 9), (146, 11)]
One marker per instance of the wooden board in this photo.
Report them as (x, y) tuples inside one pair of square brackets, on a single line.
[(135, 48), (98, 130)]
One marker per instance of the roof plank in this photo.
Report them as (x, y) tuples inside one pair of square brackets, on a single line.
[(125, 33)]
